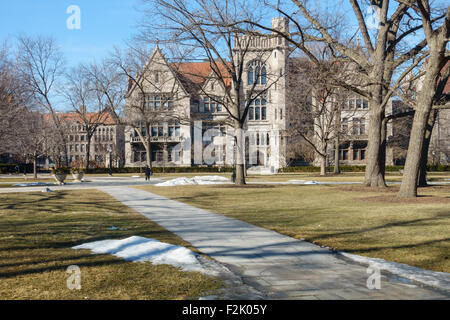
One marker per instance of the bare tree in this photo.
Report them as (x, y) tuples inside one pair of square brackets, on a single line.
[(437, 37), (40, 66), (86, 103), (377, 55), (31, 143), (12, 102), (154, 93), (207, 27), (315, 103)]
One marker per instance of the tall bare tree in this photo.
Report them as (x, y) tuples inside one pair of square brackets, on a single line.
[(13, 102), (87, 104), (435, 78), (315, 104), (154, 94), (207, 27), (32, 142), (40, 66), (377, 53)]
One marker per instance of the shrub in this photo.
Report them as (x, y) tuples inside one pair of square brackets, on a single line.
[(159, 170), (60, 170), (11, 167), (358, 168), (76, 170)]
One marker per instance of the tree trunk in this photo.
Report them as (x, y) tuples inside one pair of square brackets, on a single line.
[(426, 145), (148, 148), (408, 188), (66, 153), (374, 171), (337, 168), (34, 166), (88, 151), (239, 154), (323, 165), (383, 145)]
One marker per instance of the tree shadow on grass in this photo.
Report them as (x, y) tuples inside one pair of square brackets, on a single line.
[(438, 217)]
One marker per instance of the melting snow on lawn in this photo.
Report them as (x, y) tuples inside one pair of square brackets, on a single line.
[(140, 249), (435, 279), (303, 182), (32, 184), (183, 181)]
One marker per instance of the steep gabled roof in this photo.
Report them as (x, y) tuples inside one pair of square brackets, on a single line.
[(131, 85), (194, 75)]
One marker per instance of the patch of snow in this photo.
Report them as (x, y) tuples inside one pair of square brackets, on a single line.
[(440, 280), (312, 182), (140, 249), (304, 182), (197, 180), (114, 228), (32, 184)]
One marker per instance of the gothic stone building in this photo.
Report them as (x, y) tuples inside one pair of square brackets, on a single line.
[(184, 89)]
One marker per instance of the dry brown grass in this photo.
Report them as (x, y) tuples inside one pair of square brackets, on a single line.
[(348, 218), (37, 231)]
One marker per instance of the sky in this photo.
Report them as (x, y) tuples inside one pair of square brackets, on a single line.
[(103, 24)]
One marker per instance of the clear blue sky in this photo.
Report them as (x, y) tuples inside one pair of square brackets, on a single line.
[(104, 24)]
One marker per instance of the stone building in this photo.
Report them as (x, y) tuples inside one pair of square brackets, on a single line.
[(108, 139), (181, 93), (184, 93)]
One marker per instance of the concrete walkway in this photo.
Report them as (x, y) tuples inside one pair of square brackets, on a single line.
[(95, 183), (279, 266)]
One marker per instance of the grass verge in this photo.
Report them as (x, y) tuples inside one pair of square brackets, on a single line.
[(354, 219), (37, 231)]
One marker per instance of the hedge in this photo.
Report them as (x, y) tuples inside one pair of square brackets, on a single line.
[(11, 167), (358, 168), (160, 170)]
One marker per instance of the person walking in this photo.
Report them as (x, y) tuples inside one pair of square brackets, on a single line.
[(147, 173)]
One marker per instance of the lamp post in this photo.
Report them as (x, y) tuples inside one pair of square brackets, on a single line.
[(110, 160)]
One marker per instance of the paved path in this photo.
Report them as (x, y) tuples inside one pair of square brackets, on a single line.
[(95, 183), (279, 266)]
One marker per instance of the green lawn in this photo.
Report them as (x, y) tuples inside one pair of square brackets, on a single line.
[(37, 231), (354, 219)]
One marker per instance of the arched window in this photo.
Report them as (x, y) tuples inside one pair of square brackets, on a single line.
[(263, 75), (257, 76), (250, 75), (256, 72)]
